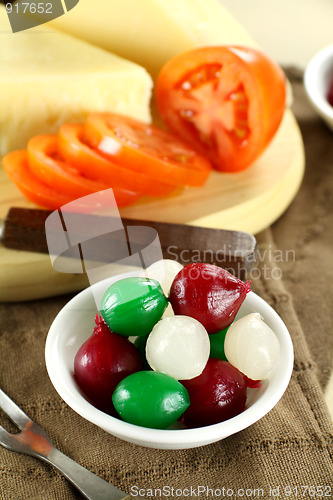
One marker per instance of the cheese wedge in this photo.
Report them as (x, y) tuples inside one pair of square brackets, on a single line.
[(48, 77), (149, 32)]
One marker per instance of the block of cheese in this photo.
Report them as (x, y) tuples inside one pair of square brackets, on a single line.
[(150, 32), (48, 77)]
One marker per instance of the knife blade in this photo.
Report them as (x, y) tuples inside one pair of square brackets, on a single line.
[(24, 229)]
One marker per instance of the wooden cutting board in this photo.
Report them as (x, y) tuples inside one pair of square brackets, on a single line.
[(247, 201)]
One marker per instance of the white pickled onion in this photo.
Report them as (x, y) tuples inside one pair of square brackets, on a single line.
[(252, 347), (178, 346)]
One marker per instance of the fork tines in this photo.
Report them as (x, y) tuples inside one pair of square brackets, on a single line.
[(13, 411)]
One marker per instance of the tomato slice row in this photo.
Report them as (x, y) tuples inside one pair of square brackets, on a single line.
[(146, 148), (73, 148), (16, 165), (57, 169)]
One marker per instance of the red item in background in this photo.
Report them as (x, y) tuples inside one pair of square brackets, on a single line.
[(330, 93)]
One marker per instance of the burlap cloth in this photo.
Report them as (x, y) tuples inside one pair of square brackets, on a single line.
[(287, 454)]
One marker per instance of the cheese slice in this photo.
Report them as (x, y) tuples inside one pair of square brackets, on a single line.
[(150, 32), (48, 77)]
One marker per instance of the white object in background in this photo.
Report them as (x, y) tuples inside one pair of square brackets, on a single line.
[(317, 78)]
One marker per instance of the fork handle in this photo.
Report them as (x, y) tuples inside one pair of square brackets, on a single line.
[(90, 485)]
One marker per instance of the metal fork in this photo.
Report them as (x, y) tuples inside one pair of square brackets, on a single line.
[(33, 440)]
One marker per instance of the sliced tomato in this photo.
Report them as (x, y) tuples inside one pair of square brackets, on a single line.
[(146, 148), (225, 101), (91, 163), (46, 166), (17, 168)]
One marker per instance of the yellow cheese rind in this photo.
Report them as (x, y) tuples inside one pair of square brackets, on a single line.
[(150, 32), (48, 77)]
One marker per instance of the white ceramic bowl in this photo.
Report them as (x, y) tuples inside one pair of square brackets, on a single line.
[(318, 75), (74, 324)]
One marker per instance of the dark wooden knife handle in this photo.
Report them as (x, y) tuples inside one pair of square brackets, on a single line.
[(24, 229)]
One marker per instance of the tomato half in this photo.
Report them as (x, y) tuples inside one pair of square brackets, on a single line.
[(146, 149), (46, 166), (91, 163), (226, 101)]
